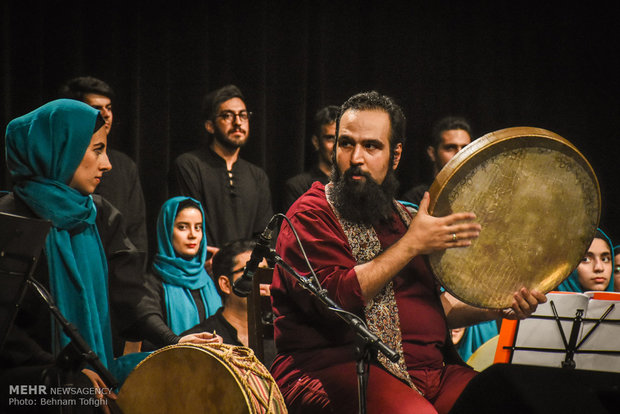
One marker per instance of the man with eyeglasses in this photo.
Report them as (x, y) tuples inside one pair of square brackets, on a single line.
[(234, 193), (323, 138)]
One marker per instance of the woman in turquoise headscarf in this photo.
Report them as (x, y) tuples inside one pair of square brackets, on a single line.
[(181, 292), (595, 272), (56, 156)]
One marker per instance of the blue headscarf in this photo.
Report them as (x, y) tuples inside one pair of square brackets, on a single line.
[(44, 148), (571, 283), (181, 275)]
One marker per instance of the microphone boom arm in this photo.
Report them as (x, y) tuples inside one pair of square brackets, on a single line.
[(357, 324)]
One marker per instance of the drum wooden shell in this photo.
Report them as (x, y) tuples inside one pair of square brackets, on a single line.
[(191, 378), (538, 202)]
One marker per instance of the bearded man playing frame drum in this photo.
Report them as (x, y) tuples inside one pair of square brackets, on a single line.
[(367, 252)]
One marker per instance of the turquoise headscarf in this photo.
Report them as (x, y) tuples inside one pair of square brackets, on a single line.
[(44, 148), (571, 283), (181, 275)]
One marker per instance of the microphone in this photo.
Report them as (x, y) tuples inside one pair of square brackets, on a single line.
[(243, 286)]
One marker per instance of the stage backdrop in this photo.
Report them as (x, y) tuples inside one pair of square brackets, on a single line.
[(545, 65)]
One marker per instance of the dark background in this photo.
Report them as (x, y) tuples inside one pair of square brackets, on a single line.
[(549, 65)]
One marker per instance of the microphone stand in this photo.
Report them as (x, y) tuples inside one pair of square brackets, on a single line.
[(77, 353), (367, 342)]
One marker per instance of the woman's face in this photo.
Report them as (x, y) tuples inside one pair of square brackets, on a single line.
[(187, 232), (595, 270), (95, 162)]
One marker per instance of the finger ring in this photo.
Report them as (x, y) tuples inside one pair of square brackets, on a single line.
[(453, 237)]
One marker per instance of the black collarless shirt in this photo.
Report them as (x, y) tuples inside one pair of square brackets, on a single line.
[(237, 203)]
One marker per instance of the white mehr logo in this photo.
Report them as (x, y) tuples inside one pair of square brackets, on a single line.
[(28, 389)]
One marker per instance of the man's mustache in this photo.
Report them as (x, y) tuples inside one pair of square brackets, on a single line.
[(349, 173)]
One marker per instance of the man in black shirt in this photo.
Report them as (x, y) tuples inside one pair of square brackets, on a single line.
[(234, 193), (231, 320), (450, 135), (323, 142)]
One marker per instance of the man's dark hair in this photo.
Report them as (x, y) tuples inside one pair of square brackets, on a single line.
[(448, 123), (367, 101), (212, 101), (78, 88), (325, 116), (224, 261)]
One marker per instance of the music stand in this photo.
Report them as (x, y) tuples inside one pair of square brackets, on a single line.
[(21, 242), (561, 334)]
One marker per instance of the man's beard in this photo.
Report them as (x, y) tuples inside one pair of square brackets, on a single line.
[(222, 138), (364, 201)]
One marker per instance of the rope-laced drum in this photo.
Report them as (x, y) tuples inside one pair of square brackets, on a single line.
[(538, 202), (191, 378)]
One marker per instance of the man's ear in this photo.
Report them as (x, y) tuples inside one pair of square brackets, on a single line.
[(430, 150), (398, 151), (210, 127), (315, 142), (224, 284)]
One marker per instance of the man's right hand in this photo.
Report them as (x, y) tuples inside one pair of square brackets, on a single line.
[(428, 234)]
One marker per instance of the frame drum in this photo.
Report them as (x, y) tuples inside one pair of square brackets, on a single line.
[(538, 202), (192, 378)]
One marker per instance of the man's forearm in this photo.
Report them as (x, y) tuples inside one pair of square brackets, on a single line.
[(375, 274)]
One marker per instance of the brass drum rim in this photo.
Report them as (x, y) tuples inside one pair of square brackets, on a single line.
[(484, 146)]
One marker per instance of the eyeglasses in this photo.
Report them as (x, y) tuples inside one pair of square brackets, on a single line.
[(237, 271), (229, 116)]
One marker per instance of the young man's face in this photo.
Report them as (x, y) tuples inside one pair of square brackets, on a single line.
[(324, 144), (452, 141), (231, 126), (104, 105)]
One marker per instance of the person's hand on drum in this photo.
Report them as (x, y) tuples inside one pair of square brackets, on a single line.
[(201, 338), (429, 234), (99, 385), (524, 304)]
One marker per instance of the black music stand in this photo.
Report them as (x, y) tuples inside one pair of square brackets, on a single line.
[(21, 242)]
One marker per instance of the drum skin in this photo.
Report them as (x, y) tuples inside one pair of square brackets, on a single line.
[(190, 378), (538, 202)]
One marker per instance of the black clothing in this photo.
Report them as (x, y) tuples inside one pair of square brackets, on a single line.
[(218, 323), (237, 203), (299, 184), (30, 341), (151, 326), (414, 195), (121, 187)]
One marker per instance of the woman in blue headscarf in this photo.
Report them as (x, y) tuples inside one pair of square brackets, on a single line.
[(595, 272), (181, 292), (56, 156)]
